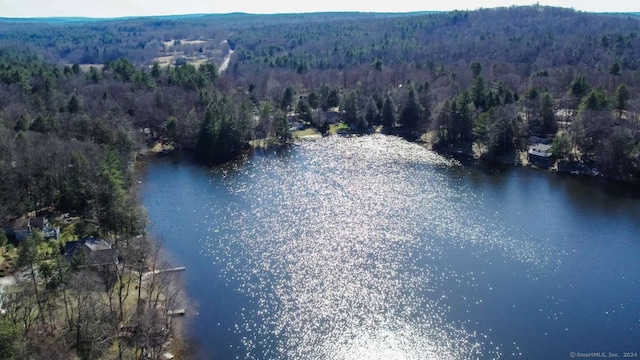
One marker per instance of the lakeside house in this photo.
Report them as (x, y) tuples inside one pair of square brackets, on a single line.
[(23, 227), (98, 252), (540, 155)]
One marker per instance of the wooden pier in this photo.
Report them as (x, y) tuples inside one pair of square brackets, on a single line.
[(177, 312), (160, 271)]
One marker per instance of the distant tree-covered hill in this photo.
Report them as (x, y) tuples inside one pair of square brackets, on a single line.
[(534, 37), (490, 77)]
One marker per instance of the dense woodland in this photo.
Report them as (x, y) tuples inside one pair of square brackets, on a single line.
[(80, 98)]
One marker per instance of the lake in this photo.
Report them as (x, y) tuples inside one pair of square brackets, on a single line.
[(375, 248)]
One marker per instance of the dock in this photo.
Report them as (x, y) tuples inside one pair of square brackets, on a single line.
[(177, 312), (160, 271)]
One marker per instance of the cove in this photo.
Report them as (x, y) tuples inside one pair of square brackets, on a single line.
[(375, 248)]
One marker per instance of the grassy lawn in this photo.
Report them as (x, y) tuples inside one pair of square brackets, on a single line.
[(333, 128), (67, 232), (305, 132), (262, 143), (49, 248), (7, 260)]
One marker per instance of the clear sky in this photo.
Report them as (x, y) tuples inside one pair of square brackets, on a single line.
[(118, 8)]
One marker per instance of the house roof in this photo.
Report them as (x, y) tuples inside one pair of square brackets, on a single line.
[(38, 222), (96, 244), (98, 251), (103, 257), (21, 224), (541, 150), (70, 248)]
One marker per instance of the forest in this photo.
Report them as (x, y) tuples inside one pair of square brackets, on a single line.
[(81, 98), (490, 77)]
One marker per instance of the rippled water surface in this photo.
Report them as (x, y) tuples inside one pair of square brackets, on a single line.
[(374, 248)]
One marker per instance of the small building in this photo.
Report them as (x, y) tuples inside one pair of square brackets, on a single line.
[(98, 252), (540, 155), (23, 227), (20, 229)]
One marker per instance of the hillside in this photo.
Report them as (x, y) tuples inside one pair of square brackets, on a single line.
[(539, 36)]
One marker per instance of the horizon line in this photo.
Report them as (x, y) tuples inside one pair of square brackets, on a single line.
[(126, 17)]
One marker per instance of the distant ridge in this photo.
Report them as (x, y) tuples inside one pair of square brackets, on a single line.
[(620, 13), (54, 20), (63, 19), (48, 20)]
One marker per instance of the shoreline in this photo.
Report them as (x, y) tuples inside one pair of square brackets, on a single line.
[(180, 344), (468, 155), (583, 172)]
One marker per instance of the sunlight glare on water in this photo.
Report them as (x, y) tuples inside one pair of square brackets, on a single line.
[(340, 251)]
